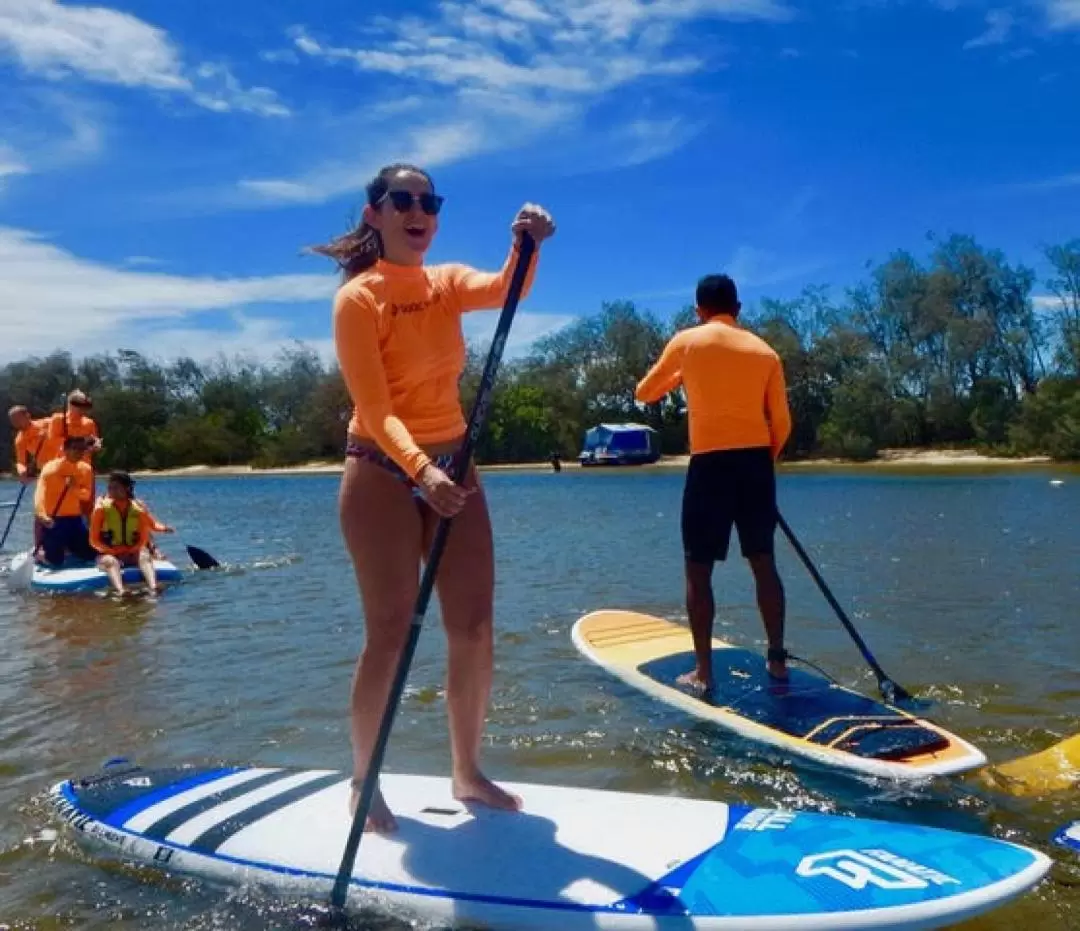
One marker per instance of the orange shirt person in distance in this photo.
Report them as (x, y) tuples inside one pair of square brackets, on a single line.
[(33, 448), (397, 333), (736, 401), (64, 492), (76, 421), (120, 530)]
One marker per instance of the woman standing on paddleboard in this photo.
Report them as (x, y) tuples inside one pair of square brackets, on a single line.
[(397, 333)]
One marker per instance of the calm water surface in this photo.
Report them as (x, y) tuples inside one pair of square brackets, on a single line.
[(966, 588)]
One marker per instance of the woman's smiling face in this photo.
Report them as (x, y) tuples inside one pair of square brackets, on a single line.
[(406, 218)]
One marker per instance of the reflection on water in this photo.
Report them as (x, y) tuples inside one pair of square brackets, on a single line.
[(965, 588)]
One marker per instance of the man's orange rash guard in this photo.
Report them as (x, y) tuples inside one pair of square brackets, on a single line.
[(735, 389), (397, 332)]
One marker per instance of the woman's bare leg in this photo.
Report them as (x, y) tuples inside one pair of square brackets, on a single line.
[(110, 565), (383, 532), (465, 585), (146, 566)]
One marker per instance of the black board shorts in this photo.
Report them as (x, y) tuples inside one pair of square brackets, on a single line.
[(725, 488)]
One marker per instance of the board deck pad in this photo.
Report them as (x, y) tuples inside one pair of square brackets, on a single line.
[(573, 858), (809, 714), (806, 706)]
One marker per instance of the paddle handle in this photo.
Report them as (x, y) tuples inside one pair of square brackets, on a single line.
[(459, 470)]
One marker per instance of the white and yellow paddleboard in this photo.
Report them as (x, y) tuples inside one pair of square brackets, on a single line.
[(809, 715)]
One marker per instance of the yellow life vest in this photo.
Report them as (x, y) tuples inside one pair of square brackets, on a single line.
[(121, 530)]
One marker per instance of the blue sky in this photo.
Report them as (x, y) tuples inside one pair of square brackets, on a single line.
[(163, 164)]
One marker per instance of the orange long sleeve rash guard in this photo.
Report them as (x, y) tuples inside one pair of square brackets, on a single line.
[(55, 477), (33, 445), (734, 382), (397, 333)]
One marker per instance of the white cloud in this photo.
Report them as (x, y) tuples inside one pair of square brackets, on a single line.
[(60, 133), (51, 299), (11, 163), (1057, 183), (1063, 14), (999, 24), (527, 329), (1049, 302), (57, 41), (752, 267), (499, 73), (431, 145)]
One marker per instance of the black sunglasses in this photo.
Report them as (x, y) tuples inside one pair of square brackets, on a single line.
[(431, 204)]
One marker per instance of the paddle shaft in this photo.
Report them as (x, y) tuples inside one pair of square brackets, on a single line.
[(18, 500), (890, 690), (459, 472), (11, 517)]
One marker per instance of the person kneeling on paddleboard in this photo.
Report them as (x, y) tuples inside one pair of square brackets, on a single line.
[(739, 422), (397, 333), (64, 491), (120, 530)]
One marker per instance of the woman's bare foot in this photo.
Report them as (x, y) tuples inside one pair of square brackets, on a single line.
[(379, 818), (478, 788)]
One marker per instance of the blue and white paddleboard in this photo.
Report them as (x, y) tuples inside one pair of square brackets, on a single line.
[(572, 859), (78, 576), (1069, 836)]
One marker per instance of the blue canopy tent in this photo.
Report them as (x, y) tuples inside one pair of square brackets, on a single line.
[(619, 444)]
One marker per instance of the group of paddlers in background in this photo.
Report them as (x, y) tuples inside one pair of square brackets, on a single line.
[(115, 530)]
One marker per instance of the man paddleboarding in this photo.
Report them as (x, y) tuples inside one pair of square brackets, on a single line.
[(398, 338), (736, 401)]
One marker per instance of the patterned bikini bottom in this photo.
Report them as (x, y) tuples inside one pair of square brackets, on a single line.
[(443, 461)]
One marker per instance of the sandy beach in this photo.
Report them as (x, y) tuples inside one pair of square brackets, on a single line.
[(888, 459)]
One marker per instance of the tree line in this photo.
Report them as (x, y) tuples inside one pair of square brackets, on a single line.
[(954, 349)]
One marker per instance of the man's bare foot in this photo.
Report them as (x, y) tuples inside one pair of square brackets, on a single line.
[(379, 817), (695, 681), (778, 670), (478, 788)]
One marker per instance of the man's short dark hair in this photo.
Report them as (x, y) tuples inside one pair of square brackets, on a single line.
[(717, 294)]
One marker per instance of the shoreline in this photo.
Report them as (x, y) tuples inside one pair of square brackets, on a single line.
[(889, 460)]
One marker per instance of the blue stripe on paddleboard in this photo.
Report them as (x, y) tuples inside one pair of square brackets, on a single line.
[(119, 816), (166, 824), (212, 838), (1069, 836)]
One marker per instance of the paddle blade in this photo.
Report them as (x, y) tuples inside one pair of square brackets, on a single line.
[(22, 572), (202, 559), (1069, 836), (1054, 769)]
